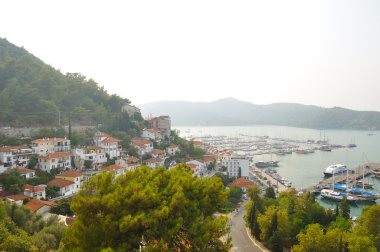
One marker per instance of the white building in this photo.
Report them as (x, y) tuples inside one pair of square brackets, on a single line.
[(55, 160), (11, 156), (108, 143), (66, 187), (143, 146), (199, 166), (172, 150), (95, 154), (233, 165), (154, 162), (25, 173), (34, 191), (45, 146), (152, 134), (76, 177)]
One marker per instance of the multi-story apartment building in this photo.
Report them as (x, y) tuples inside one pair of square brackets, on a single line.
[(45, 146)]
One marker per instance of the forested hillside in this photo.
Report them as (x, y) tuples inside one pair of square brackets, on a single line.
[(33, 93), (230, 111)]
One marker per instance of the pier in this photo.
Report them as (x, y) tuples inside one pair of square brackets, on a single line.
[(357, 174)]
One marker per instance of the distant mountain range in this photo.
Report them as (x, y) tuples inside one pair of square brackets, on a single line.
[(230, 111)]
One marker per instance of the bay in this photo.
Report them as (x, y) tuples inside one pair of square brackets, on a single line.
[(305, 170)]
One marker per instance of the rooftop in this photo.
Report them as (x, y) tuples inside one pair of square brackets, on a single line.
[(60, 183), (71, 174), (241, 182), (35, 204)]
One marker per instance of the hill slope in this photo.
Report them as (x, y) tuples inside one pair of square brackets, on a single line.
[(33, 93), (230, 111)]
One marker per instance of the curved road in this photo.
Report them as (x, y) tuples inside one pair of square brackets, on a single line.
[(241, 241)]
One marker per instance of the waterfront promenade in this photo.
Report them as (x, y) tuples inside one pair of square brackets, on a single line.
[(267, 179)]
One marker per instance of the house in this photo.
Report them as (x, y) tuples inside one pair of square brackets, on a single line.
[(66, 187), (38, 206), (152, 134), (243, 183), (133, 162), (234, 164), (172, 150), (154, 162), (199, 166), (34, 191), (108, 143), (117, 169), (156, 153), (45, 146), (207, 160), (55, 160), (130, 109), (11, 156), (25, 173), (95, 154), (18, 199), (143, 146), (163, 123), (73, 176)]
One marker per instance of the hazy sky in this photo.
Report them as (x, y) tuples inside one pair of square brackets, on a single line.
[(324, 53)]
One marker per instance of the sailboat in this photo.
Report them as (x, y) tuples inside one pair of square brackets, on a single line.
[(363, 195), (336, 196)]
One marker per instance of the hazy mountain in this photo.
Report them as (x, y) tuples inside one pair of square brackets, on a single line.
[(230, 111)]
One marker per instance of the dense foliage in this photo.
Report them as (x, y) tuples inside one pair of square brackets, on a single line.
[(166, 210), (22, 230), (300, 223), (33, 93)]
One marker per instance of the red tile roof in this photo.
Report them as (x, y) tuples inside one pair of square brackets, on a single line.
[(112, 167), (241, 182), (71, 174), (141, 142), (17, 197), (158, 152), (153, 160), (153, 130), (31, 188), (208, 159), (60, 183), (111, 140), (22, 170), (132, 160), (46, 140), (173, 146), (55, 155), (13, 148), (35, 204)]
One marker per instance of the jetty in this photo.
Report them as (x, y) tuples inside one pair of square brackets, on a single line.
[(356, 174)]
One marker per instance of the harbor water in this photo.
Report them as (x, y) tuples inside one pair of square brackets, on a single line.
[(305, 169)]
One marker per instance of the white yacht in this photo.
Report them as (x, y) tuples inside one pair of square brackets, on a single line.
[(335, 169), (337, 196)]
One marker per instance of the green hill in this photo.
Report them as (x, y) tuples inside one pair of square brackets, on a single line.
[(33, 93), (230, 111)]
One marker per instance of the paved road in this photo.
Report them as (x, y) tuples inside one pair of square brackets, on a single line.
[(241, 242)]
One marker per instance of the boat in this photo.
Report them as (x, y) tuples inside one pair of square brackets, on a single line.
[(337, 196), (364, 195), (325, 148), (360, 183), (335, 169), (351, 145), (263, 164), (376, 174)]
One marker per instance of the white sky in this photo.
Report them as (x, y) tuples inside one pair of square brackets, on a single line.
[(324, 53)]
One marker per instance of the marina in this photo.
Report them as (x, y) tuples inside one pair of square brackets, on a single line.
[(302, 169)]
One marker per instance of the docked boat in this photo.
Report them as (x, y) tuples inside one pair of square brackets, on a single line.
[(337, 196), (263, 164), (335, 169), (325, 148), (376, 174), (364, 195), (351, 145), (361, 183)]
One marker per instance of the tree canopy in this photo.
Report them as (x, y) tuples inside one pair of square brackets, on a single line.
[(168, 209)]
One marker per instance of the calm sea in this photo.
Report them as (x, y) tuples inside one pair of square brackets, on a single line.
[(304, 170)]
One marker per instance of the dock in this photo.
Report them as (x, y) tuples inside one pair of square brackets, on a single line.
[(357, 174)]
